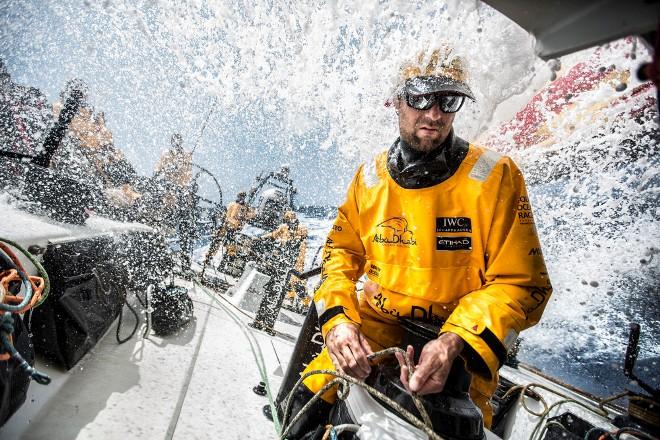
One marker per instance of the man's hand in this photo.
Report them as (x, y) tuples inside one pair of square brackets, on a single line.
[(348, 349), (434, 364)]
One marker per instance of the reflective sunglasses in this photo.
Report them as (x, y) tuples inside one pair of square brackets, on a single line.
[(447, 103)]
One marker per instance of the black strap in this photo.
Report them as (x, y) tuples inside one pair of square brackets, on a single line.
[(144, 304), (329, 314), (495, 345)]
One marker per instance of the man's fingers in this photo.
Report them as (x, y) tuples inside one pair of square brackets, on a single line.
[(365, 344), (404, 369), (420, 376), (434, 384), (350, 349), (353, 368), (429, 388), (410, 352), (361, 359), (336, 363), (399, 358)]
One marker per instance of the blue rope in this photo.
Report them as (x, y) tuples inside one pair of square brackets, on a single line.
[(6, 329), (6, 261), (42, 272)]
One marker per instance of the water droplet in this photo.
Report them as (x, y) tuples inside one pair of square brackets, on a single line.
[(555, 65), (621, 87)]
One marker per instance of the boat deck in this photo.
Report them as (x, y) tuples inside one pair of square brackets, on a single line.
[(195, 384)]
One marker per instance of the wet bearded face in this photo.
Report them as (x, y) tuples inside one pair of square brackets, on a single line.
[(423, 130)]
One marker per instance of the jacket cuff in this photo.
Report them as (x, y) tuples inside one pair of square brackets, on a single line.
[(334, 316), (484, 354)]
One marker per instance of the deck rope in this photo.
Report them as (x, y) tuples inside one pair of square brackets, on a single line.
[(343, 380)]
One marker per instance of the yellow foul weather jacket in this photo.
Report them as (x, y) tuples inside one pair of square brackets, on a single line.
[(464, 251)]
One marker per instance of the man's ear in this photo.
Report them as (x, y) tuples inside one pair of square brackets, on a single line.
[(396, 103)]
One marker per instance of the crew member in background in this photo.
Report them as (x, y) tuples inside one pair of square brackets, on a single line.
[(238, 213), (91, 137), (439, 225), (289, 229), (289, 239), (174, 170), (293, 235), (298, 292), (173, 173)]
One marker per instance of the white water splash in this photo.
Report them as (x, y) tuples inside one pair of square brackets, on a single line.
[(329, 65)]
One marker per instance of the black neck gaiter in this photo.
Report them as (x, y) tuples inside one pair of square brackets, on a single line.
[(414, 169)]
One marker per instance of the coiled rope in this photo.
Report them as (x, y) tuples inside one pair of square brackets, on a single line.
[(540, 429), (343, 380), (36, 291), (42, 278)]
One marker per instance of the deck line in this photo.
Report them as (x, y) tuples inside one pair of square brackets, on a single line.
[(171, 429)]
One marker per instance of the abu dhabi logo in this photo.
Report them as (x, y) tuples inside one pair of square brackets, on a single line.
[(394, 231)]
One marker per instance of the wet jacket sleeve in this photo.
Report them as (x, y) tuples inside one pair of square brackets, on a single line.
[(516, 287), (343, 263)]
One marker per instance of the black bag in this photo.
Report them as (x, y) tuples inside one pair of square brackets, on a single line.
[(87, 293), (14, 381), (89, 278), (172, 309)]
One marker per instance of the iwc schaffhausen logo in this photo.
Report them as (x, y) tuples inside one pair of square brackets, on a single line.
[(394, 231)]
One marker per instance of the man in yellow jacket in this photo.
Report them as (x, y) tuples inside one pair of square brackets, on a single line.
[(293, 234), (443, 230), (238, 213)]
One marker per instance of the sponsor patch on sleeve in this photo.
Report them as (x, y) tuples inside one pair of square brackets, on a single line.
[(453, 243), (484, 165)]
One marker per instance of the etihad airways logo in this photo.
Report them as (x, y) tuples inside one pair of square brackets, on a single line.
[(394, 231)]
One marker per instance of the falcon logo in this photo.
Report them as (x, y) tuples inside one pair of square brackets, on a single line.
[(394, 231)]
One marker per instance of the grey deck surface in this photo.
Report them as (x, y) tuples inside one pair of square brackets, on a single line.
[(196, 384)]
